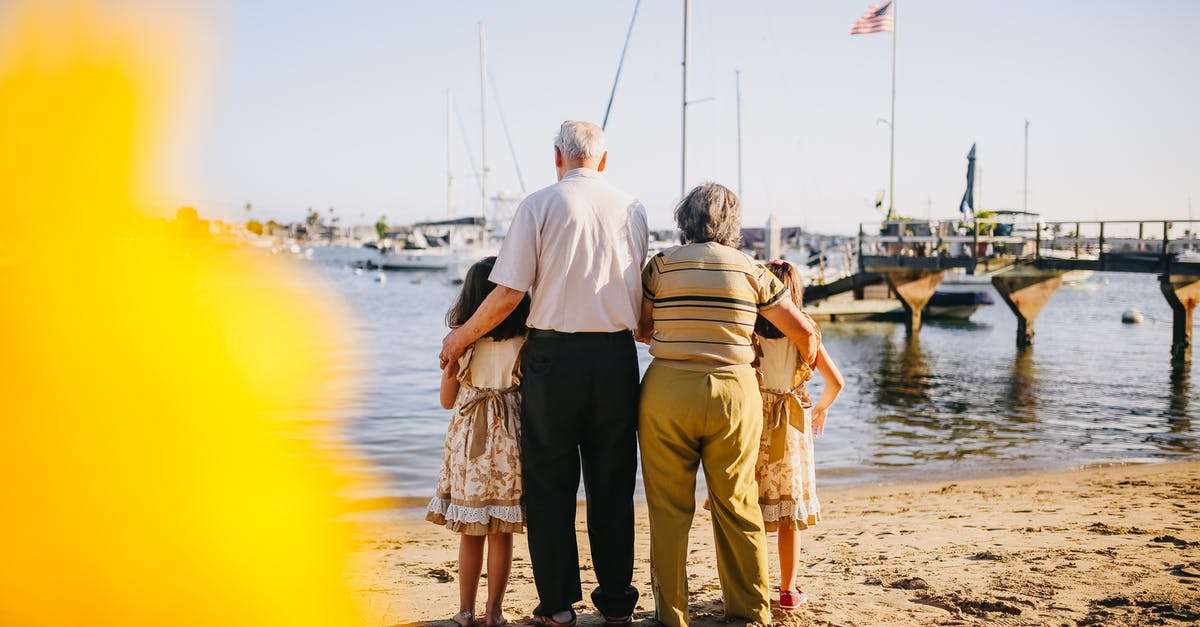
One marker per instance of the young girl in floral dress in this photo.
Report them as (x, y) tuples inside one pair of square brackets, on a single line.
[(479, 488), (785, 469)]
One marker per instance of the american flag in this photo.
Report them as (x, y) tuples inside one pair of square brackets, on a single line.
[(877, 19)]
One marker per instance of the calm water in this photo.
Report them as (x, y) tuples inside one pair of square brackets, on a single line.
[(958, 400)]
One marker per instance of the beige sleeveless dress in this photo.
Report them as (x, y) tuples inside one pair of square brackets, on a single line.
[(479, 487), (785, 469)]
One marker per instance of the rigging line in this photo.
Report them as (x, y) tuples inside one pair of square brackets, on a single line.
[(470, 156), (504, 123), (613, 94)]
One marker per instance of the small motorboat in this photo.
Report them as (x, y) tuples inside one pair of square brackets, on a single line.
[(945, 305)]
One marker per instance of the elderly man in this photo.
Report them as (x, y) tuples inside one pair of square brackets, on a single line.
[(577, 247)]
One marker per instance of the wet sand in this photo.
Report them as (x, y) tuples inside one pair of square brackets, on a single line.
[(1096, 546)]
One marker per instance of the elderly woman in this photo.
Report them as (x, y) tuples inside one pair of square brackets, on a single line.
[(700, 402)]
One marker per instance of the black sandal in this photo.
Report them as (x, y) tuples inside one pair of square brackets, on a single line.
[(618, 620), (548, 621)]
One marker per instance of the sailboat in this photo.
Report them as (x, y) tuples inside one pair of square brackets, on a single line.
[(454, 243), (487, 243), (435, 245)]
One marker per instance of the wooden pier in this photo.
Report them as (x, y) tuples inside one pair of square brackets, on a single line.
[(1026, 259)]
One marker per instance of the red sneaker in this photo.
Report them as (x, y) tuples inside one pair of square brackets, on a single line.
[(791, 599)]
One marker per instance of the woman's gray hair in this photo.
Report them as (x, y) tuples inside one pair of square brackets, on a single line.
[(710, 213), (580, 140)]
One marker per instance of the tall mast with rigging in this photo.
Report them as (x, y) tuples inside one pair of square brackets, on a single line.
[(449, 153), (1025, 194), (483, 185), (620, 64), (738, 80), (683, 158)]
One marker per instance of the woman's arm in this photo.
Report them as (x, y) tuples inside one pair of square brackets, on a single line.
[(797, 326), (645, 322), (833, 387), (450, 385)]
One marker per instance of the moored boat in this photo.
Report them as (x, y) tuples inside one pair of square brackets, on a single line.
[(957, 305), (942, 306), (433, 246)]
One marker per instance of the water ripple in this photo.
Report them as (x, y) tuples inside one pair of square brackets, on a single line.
[(959, 399)]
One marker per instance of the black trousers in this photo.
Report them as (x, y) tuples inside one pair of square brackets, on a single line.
[(579, 405)]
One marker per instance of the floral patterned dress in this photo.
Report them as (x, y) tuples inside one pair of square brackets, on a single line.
[(785, 469), (479, 488)]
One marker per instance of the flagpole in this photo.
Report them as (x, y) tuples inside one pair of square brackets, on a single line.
[(892, 126), (978, 186)]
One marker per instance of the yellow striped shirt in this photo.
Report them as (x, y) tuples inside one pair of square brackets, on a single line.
[(706, 298)]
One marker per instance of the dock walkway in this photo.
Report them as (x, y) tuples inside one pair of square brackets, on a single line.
[(1026, 262)]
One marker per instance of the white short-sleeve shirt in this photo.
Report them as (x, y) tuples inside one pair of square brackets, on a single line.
[(577, 247)]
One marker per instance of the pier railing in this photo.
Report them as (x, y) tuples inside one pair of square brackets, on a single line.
[(1027, 259), (1169, 246)]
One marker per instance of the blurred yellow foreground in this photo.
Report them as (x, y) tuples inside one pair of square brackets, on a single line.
[(158, 393)]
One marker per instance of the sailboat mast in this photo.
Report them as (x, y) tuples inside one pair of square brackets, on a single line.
[(1025, 195), (483, 186), (892, 125), (683, 159), (449, 153), (738, 80)]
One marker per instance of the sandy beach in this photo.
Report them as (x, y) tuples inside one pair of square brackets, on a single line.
[(1094, 546)]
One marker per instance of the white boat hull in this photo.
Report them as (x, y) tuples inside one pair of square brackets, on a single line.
[(415, 262), (466, 259), (1075, 277)]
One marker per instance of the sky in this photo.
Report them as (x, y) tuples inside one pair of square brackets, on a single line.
[(343, 105)]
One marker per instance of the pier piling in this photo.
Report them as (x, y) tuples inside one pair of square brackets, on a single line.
[(914, 289), (1025, 293), (1026, 262), (1183, 294)]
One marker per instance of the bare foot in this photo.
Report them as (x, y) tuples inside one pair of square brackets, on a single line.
[(495, 618)]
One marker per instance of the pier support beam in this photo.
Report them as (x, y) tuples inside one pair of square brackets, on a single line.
[(1183, 294), (1026, 293), (914, 289)]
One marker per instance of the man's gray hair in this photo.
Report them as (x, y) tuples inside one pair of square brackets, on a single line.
[(710, 213), (580, 140)]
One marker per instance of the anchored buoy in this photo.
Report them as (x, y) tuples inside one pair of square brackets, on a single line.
[(1132, 316), (381, 277)]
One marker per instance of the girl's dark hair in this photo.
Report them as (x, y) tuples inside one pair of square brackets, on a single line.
[(786, 273), (476, 287)]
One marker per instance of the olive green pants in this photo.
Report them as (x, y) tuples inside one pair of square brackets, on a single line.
[(687, 418)]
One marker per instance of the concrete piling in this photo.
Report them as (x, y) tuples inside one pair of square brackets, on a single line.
[(914, 288), (1183, 294), (1026, 292)]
